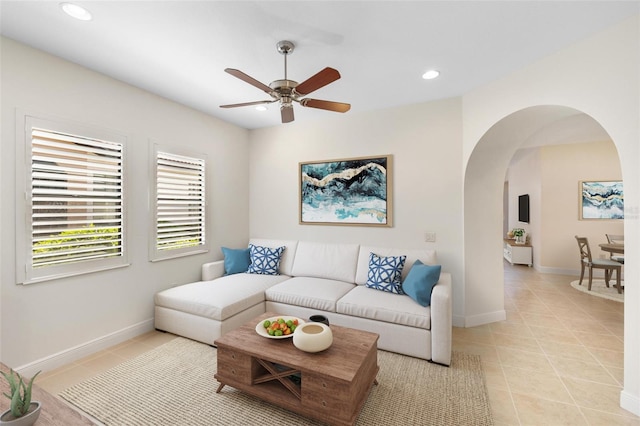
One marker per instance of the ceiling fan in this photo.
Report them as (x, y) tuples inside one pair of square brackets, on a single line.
[(288, 91)]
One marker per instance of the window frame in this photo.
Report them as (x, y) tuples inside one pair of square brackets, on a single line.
[(156, 254), (25, 272)]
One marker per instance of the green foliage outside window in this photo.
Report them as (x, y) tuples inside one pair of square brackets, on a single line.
[(104, 240)]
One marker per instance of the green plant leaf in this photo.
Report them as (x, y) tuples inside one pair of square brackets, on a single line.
[(12, 382), (16, 401), (27, 393)]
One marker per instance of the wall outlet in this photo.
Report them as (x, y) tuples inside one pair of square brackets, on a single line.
[(430, 237)]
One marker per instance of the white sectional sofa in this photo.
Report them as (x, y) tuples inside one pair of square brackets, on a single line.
[(315, 278)]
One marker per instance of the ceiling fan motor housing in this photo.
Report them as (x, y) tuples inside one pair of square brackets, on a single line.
[(283, 86), (283, 90)]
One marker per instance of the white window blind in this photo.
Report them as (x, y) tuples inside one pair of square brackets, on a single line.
[(76, 199), (180, 204)]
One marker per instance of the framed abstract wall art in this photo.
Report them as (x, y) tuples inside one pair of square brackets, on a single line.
[(350, 191), (601, 200)]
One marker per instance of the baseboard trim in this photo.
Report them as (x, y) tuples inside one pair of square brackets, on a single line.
[(75, 353), (558, 271), (487, 318), (458, 321), (630, 402)]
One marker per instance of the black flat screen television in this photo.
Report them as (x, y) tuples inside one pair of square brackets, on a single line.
[(523, 208)]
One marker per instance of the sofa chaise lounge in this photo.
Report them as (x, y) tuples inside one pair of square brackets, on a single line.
[(315, 278)]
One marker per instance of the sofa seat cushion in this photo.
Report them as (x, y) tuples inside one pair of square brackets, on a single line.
[(382, 306), (309, 292), (221, 298)]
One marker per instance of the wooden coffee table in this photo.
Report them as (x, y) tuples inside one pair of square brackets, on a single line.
[(330, 386)]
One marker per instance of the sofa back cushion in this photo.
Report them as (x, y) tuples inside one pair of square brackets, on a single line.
[(428, 257), (324, 260), (286, 261)]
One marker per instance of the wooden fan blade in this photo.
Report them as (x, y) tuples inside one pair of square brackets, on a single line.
[(248, 79), (287, 114), (321, 79), (246, 104), (328, 105)]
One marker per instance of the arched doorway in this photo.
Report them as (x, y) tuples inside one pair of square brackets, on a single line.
[(484, 191), (483, 204)]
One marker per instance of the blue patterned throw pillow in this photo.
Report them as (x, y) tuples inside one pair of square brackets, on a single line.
[(264, 260), (385, 273)]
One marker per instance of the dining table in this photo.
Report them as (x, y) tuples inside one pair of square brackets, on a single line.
[(612, 247)]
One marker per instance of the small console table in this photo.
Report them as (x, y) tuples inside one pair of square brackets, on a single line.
[(518, 253)]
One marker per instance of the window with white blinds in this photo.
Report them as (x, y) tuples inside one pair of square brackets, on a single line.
[(179, 204), (74, 203)]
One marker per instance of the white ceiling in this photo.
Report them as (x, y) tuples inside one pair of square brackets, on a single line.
[(179, 49)]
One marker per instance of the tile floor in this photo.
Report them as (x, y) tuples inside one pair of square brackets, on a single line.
[(556, 360)]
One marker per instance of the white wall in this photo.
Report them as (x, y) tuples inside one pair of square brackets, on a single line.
[(523, 176), (51, 322), (425, 141), (598, 76)]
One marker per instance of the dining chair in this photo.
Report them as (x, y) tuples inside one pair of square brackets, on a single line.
[(586, 261), (615, 239)]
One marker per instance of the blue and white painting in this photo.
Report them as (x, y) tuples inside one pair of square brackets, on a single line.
[(350, 191), (602, 200)]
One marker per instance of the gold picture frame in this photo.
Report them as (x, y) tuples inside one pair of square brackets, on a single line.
[(349, 191), (601, 200)]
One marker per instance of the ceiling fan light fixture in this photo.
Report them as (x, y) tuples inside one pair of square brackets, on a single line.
[(431, 74), (76, 11)]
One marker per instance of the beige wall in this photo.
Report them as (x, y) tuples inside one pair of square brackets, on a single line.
[(563, 166), (550, 175)]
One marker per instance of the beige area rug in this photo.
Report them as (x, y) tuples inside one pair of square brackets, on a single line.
[(599, 289), (174, 385)]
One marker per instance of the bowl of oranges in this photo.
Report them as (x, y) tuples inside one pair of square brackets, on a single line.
[(280, 327)]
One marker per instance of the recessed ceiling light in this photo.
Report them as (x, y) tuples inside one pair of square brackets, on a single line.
[(261, 108), (431, 74), (76, 11)]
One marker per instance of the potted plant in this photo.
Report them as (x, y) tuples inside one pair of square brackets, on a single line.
[(518, 233), (22, 411)]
